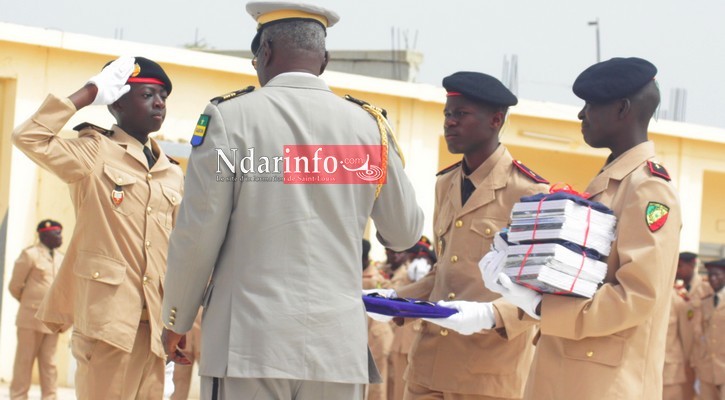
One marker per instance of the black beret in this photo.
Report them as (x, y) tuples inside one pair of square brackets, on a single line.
[(479, 87), (717, 263), (613, 79), (48, 224), (147, 71), (687, 256)]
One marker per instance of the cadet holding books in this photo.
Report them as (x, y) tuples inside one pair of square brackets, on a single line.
[(614, 343)]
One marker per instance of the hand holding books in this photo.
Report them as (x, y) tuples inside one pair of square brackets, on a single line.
[(555, 244)]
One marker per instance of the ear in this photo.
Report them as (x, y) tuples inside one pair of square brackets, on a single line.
[(497, 119), (624, 108), (325, 60), (267, 51)]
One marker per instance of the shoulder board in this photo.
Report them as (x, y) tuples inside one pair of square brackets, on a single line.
[(231, 95), (88, 125), (449, 168), (171, 160), (528, 172), (365, 103), (658, 170)]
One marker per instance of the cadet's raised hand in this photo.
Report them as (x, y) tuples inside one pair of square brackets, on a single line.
[(111, 82), (522, 297), (471, 317)]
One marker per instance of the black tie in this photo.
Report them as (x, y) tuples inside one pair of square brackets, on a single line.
[(467, 189), (716, 300), (149, 156)]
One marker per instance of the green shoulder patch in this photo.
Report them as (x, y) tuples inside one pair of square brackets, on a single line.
[(231, 95), (200, 131), (656, 215)]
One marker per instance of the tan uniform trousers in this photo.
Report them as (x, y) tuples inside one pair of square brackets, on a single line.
[(417, 392), (380, 341), (683, 391), (396, 383), (709, 391), (109, 373), (31, 345), (277, 389)]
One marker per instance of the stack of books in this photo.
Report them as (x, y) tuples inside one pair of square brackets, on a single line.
[(558, 245)]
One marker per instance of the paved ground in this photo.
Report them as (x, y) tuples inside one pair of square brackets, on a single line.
[(63, 393)]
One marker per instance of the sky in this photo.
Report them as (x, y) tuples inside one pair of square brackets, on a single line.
[(551, 38)]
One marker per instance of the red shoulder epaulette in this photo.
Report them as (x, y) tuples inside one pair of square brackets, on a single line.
[(531, 174), (103, 131), (657, 169), (449, 168)]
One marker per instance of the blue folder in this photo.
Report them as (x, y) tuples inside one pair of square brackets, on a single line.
[(406, 308)]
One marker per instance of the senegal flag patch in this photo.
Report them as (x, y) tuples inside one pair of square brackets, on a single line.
[(656, 215), (200, 130)]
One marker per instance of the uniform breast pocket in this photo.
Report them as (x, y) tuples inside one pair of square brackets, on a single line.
[(484, 229), (171, 201), (120, 187)]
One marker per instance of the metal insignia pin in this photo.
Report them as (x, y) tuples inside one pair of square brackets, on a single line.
[(117, 195)]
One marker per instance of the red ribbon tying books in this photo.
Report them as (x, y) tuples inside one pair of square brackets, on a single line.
[(566, 188), (557, 187)]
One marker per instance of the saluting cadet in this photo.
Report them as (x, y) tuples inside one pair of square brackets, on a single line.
[(33, 274), (612, 346), (483, 352), (710, 352), (283, 312), (125, 192)]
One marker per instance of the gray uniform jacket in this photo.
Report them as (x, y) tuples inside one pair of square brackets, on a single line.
[(284, 298)]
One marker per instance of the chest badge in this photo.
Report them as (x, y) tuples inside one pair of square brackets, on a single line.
[(656, 215), (117, 195)]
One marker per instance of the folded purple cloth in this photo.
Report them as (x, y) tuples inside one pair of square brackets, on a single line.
[(407, 308)]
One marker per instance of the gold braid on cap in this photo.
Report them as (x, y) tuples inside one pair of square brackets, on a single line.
[(385, 129)]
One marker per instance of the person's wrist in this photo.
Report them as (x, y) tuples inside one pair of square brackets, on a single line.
[(84, 96)]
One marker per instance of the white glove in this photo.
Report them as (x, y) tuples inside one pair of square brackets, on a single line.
[(520, 296), (387, 293), (471, 317), (493, 263), (380, 317), (111, 82), (418, 268)]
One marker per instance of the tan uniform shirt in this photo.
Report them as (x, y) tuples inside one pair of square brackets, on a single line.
[(710, 351), (680, 336), (492, 363), (614, 343), (33, 274), (116, 260)]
